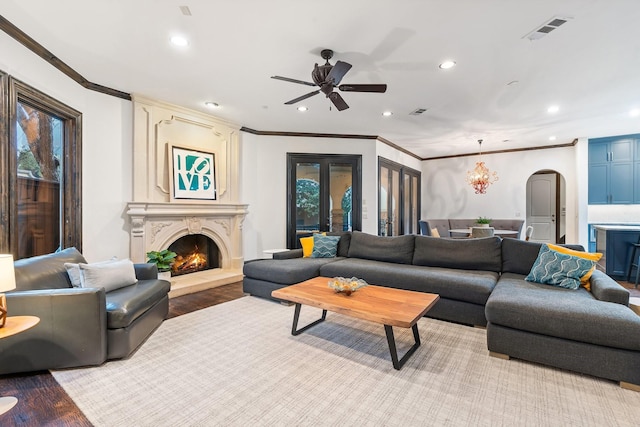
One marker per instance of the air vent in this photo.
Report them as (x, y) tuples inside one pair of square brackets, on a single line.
[(185, 10), (546, 28), (418, 111)]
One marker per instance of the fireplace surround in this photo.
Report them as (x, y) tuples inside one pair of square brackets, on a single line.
[(155, 220)]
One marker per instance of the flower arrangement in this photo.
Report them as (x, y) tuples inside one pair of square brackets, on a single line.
[(345, 285)]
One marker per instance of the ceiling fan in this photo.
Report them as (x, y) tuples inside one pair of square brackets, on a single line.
[(328, 77)]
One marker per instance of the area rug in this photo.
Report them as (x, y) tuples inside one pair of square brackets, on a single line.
[(237, 364)]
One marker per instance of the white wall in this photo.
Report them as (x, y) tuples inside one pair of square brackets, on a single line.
[(106, 145), (445, 193)]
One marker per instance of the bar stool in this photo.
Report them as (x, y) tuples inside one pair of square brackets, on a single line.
[(634, 262)]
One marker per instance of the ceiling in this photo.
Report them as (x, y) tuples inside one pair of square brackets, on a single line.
[(499, 91)]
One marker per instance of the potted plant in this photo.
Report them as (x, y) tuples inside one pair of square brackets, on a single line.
[(483, 221), (163, 260)]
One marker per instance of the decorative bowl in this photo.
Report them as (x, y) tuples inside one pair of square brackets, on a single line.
[(345, 285)]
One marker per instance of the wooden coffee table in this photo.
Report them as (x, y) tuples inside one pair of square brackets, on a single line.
[(387, 306)]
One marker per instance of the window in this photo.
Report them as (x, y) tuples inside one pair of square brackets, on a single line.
[(398, 199), (324, 194), (40, 146)]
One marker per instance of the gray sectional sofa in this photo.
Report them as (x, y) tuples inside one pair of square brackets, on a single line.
[(78, 326), (481, 282)]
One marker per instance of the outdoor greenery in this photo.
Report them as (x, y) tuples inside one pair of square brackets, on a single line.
[(308, 197)]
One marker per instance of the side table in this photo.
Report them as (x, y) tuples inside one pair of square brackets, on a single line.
[(15, 325)]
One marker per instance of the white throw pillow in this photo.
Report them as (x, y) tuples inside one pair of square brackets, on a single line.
[(110, 276), (73, 270)]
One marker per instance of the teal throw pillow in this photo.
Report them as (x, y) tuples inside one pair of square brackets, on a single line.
[(558, 269), (324, 246)]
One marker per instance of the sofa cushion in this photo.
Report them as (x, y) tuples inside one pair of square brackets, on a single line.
[(563, 313), (343, 244), (324, 246), (469, 286), (559, 269), (110, 275), (466, 254), (46, 271), (124, 305), (518, 255), (285, 271), (584, 280), (397, 249)]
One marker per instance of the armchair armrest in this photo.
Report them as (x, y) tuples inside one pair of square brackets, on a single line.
[(605, 288), (146, 271), (72, 330)]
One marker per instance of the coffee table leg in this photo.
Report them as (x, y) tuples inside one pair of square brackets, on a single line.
[(296, 316), (392, 346)]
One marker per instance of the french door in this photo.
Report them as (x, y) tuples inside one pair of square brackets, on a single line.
[(398, 199), (324, 194)]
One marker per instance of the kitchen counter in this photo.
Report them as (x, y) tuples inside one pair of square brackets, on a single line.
[(614, 242)]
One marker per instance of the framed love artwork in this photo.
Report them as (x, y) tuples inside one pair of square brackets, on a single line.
[(193, 174)]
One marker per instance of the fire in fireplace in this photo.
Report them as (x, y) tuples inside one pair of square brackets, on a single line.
[(196, 252)]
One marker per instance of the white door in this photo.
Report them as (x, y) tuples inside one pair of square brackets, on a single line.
[(541, 207)]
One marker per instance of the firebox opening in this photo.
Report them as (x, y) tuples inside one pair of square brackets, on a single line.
[(196, 252)]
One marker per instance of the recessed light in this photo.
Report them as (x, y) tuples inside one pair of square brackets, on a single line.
[(553, 109), (179, 41), (447, 64), (387, 113), (634, 112), (302, 108), (552, 138), (212, 104)]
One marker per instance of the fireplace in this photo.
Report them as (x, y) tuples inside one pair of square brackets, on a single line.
[(207, 234), (195, 252)]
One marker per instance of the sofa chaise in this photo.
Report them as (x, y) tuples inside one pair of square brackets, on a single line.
[(482, 282), (78, 326)]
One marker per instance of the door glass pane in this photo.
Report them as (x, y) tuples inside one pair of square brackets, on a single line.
[(340, 197), (307, 199), (393, 203), (414, 205), (384, 203), (39, 150), (407, 229)]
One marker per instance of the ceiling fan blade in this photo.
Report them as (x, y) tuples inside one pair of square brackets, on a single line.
[(363, 88), (338, 101), (287, 79), (338, 71), (300, 98)]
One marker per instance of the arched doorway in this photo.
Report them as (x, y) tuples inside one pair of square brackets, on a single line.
[(546, 206)]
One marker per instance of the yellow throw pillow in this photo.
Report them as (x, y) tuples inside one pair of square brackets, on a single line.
[(435, 232), (584, 280), (307, 246)]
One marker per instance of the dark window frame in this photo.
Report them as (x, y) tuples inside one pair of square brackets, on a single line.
[(13, 91), (402, 170)]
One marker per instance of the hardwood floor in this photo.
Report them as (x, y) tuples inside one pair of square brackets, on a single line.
[(41, 400)]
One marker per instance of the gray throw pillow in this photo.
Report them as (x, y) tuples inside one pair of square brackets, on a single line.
[(110, 276)]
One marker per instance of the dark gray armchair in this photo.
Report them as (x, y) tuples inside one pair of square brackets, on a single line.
[(78, 326)]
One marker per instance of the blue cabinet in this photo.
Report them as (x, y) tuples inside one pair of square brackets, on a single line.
[(614, 168), (614, 242)]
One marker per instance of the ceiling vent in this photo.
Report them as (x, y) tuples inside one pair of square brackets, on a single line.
[(185, 10), (418, 111), (546, 28)]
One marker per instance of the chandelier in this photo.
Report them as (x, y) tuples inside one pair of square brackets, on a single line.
[(481, 177)]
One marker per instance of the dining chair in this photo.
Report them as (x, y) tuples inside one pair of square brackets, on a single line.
[(482, 232)]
